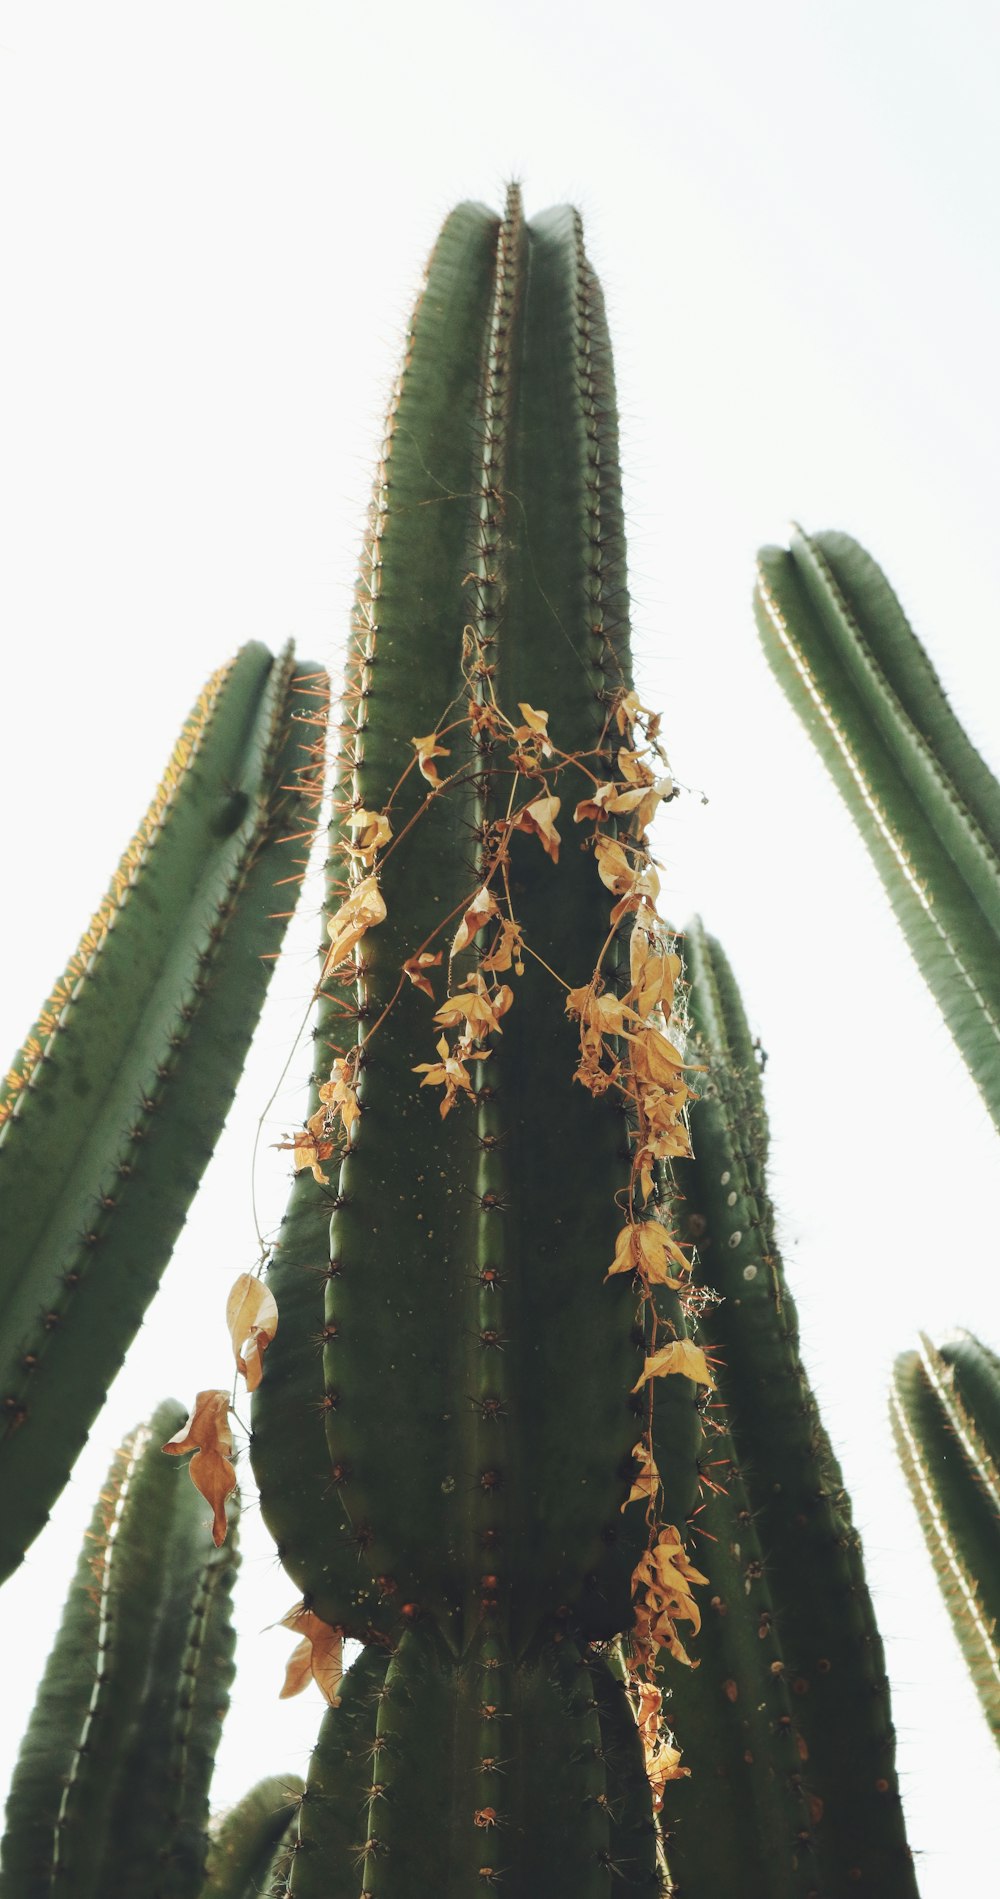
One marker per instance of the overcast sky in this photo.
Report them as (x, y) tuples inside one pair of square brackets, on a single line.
[(213, 220)]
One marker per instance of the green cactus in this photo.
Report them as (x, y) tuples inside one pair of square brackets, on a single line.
[(945, 1408), (786, 1726), (925, 803), (111, 1110), (110, 1792), (480, 1430), (451, 1324), (244, 1842), (443, 1298)]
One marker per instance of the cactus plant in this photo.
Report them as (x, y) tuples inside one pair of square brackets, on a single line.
[(111, 1110), (478, 1430), (945, 1408), (110, 1793), (926, 804), (786, 1726)]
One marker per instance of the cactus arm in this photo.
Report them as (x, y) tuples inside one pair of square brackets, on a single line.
[(111, 1783), (245, 1840), (106, 1141), (821, 1628), (955, 1483), (924, 801)]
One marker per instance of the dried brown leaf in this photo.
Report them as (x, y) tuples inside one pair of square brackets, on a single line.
[(681, 1356), (483, 906), (414, 967), (252, 1318), (427, 749), (208, 1434), (539, 818), (318, 1656), (364, 908)]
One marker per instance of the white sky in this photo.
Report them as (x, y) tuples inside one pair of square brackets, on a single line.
[(213, 220)]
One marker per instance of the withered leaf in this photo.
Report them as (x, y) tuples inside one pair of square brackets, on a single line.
[(208, 1434), (427, 749), (646, 1248), (360, 912), (507, 948), (309, 1151), (252, 1318), (646, 1481), (339, 1095), (534, 720), (655, 1058), (483, 905), (450, 1073), (414, 967), (318, 1656), (480, 1007), (372, 830), (680, 1356), (539, 818)]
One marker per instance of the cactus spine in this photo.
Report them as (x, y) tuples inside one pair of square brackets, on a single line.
[(786, 1726), (110, 1793), (111, 1111), (945, 1408), (925, 803)]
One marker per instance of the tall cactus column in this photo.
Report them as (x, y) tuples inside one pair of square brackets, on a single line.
[(787, 1724), (480, 1368)]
